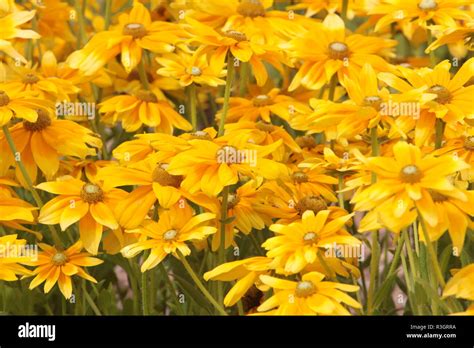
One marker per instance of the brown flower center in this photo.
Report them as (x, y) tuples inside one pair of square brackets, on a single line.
[(59, 259), (236, 35), (262, 100), (306, 141), (310, 238), (427, 5), (305, 288), (92, 193), (469, 143), (251, 8), (443, 94), (373, 101), (30, 78), (299, 177), (136, 30), (170, 235), (314, 203), (338, 50), (162, 177), (411, 174), (264, 126), (232, 200), (4, 99), (43, 121), (146, 96)]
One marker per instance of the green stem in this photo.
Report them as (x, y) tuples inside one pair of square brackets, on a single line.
[(439, 130), (374, 270), (94, 307), (340, 194), (29, 182), (221, 255), (228, 87), (332, 87), (345, 4), (199, 284), (432, 53), (108, 13), (244, 76), (192, 105), (144, 289), (81, 33), (142, 73), (171, 288)]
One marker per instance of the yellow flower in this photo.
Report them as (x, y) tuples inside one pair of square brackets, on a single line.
[(135, 32), (263, 106), (246, 273), (443, 12), (143, 108), (461, 284), (173, 229), (89, 203), (456, 35), (9, 24), (325, 50), (193, 68), (42, 143), (299, 243), (58, 266), (310, 296), (19, 105), (407, 181), (10, 256)]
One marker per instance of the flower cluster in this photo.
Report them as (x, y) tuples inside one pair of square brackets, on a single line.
[(251, 157)]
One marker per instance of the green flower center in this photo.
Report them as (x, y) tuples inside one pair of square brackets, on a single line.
[(170, 235), (59, 259)]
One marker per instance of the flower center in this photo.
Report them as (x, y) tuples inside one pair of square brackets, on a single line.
[(146, 96), (232, 200), (195, 71), (251, 8), (43, 121), (310, 237), (305, 288), (469, 142), (200, 135), (373, 101), (265, 127), (4, 99), (30, 79), (162, 177), (300, 177), (136, 30), (411, 174), (306, 141), (59, 259), (236, 35), (92, 193), (338, 50), (427, 5), (443, 94), (261, 100), (314, 203), (170, 235)]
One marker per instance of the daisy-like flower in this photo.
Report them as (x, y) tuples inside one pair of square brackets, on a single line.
[(43, 82), (458, 34), (298, 244), (443, 97), (310, 296), (134, 32), (9, 24), (193, 68), (325, 50), (173, 229), (11, 258), (19, 105), (461, 284), (245, 272), (442, 12), (142, 107), (15, 211), (211, 165), (263, 106), (312, 182), (42, 143), (58, 266), (406, 181), (89, 203)]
